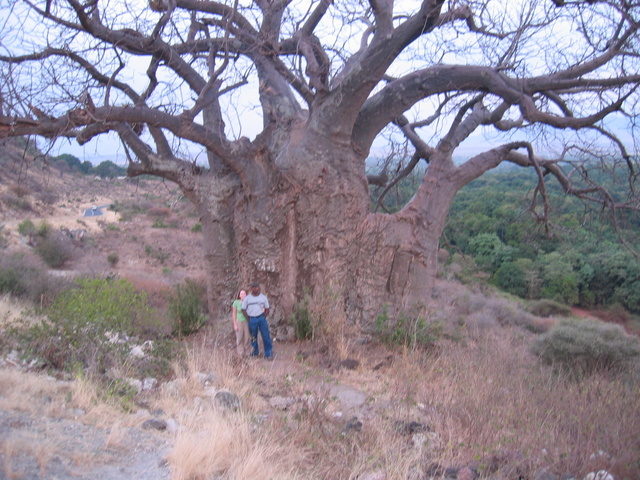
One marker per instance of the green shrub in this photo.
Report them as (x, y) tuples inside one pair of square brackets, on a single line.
[(21, 276), (10, 282), (548, 308), (53, 252), (186, 308), (197, 228), (82, 323), (158, 223), (157, 254), (409, 331), (113, 259), (301, 319), (16, 203), (26, 228), (587, 345)]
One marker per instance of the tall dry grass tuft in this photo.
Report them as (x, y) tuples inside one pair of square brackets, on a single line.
[(495, 406), (227, 444), (15, 386), (330, 325)]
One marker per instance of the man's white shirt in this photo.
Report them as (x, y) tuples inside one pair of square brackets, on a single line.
[(255, 305)]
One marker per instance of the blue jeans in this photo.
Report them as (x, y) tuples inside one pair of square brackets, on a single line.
[(260, 324)]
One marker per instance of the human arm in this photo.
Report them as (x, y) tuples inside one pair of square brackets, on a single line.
[(234, 315)]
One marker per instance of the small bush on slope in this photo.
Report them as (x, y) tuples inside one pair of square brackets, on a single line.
[(587, 345), (90, 327)]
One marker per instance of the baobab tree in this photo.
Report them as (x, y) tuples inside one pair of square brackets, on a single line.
[(548, 84)]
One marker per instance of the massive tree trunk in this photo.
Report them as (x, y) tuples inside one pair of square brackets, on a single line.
[(301, 223)]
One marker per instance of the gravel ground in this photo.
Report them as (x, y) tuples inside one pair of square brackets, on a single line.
[(43, 447)]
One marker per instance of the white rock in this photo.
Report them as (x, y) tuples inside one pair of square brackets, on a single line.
[(600, 475), (136, 352)]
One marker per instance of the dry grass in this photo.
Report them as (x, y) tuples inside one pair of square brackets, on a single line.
[(14, 452), (222, 443), (487, 403), (483, 401), (16, 386), (494, 405)]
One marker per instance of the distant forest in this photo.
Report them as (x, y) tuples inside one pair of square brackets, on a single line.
[(105, 169), (69, 163), (578, 259)]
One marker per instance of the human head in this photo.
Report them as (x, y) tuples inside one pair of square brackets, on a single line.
[(255, 288), (242, 293)]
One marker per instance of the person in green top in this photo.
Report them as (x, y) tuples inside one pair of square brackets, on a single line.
[(240, 325)]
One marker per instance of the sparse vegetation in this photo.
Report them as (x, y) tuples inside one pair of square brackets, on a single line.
[(23, 277), (587, 346), (186, 308), (91, 327), (301, 320), (53, 251), (158, 254), (408, 330), (548, 308), (113, 259), (158, 223), (27, 228)]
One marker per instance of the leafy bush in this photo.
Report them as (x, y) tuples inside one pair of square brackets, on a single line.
[(186, 308), (157, 254), (16, 203), (113, 259), (21, 276), (10, 282), (301, 319), (89, 326), (548, 308), (197, 228), (409, 331), (26, 228), (587, 345), (158, 223), (53, 251)]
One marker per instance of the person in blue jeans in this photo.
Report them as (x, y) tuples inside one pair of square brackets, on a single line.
[(255, 307)]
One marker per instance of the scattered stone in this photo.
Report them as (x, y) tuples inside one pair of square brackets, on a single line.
[(375, 475), (136, 352), (77, 412), (353, 425), (135, 383), (149, 383), (281, 403), (227, 400), (467, 473), (409, 428), (207, 379), (434, 470), (210, 391), (349, 364), (154, 424), (172, 425), (451, 473), (544, 474), (600, 475), (388, 360)]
